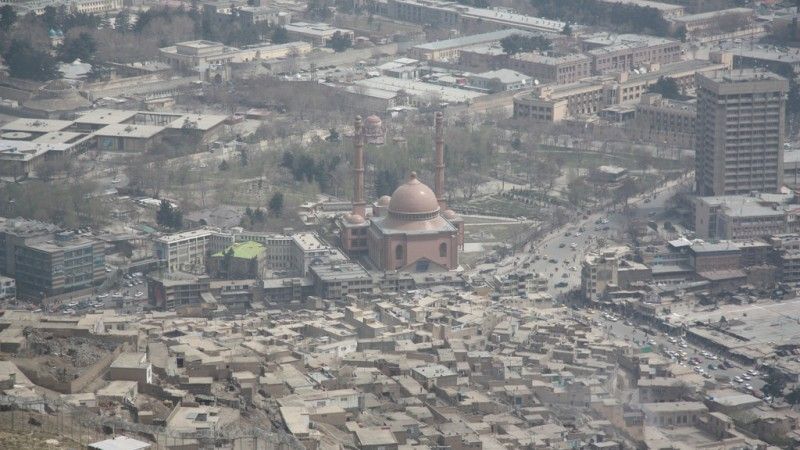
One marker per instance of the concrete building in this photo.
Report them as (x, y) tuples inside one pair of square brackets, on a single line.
[(695, 24), (168, 291), (625, 53), (671, 122), (450, 49), (335, 280), (186, 251), (783, 61), (743, 217), (190, 55), (560, 69), (740, 123), (243, 260), (131, 367), (555, 103), (500, 80), (46, 262), (453, 15), (665, 10), (318, 34)]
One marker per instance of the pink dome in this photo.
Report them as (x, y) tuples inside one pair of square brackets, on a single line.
[(384, 200), (373, 120), (413, 198)]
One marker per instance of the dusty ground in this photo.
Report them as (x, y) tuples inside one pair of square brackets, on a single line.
[(34, 441)]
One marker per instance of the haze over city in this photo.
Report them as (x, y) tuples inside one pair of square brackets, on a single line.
[(399, 224)]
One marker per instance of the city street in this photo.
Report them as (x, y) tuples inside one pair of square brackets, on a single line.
[(558, 245)]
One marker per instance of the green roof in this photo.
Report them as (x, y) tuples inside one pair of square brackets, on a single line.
[(246, 250)]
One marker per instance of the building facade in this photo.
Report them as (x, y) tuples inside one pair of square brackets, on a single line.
[(740, 132)]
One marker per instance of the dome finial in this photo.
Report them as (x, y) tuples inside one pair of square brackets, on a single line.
[(412, 175)]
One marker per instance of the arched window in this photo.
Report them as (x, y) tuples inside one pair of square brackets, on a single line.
[(443, 249), (398, 252)]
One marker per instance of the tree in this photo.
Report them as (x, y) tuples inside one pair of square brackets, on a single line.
[(667, 87), (122, 21), (8, 16), (774, 384), (340, 42), (280, 36), (793, 397), (223, 166), (333, 136), (169, 216), (518, 43), (276, 204), (81, 47), (567, 30), (24, 61)]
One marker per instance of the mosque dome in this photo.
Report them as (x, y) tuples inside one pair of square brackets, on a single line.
[(413, 200)]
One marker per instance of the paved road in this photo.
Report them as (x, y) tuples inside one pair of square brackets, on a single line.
[(585, 235)]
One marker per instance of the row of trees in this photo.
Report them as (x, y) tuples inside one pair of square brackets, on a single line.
[(518, 43), (619, 16)]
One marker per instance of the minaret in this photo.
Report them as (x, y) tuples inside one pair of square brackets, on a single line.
[(439, 180), (359, 204)]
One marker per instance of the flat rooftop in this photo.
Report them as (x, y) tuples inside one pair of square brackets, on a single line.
[(105, 116), (473, 39), (245, 250), (36, 125), (177, 237), (124, 130)]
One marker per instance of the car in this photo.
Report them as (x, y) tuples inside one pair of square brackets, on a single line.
[(139, 294), (573, 246), (565, 275), (684, 345), (104, 295), (737, 379), (747, 377), (562, 245), (706, 375), (553, 261), (578, 234), (561, 284)]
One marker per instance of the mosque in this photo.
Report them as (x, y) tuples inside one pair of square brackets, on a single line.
[(413, 230)]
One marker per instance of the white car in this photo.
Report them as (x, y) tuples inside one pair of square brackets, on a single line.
[(103, 295), (737, 379), (139, 294)]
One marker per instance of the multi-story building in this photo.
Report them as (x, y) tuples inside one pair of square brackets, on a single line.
[(308, 249), (243, 260), (660, 120), (47, 262), (783, 61), (187, 251), (599, 270), (450, 49), (740, 132), (168, 291), (192, 54), (453, 15), (626, 52), (499, 81), (711, 20), (554, 103), (561, 69), (278, 247), (743, 217), (318, 34), (335, 280)]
